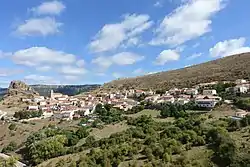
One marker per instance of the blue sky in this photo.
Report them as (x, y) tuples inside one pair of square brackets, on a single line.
[(93, 41)]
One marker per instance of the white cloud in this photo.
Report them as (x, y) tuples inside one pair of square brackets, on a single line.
[(71, 77), (166, 56), (102, 62), (194, 56), (131, 42), (43, 68), (100, 74), (158, 4), (111, 36), (229, 47), (49, 8), (40, 79), (39, 27), (3, 54), (123, 58), (187, 22), (72, 71), (196, 45), (126, 58), (4, 72), (80, 63), (180, 48), (35, 56)]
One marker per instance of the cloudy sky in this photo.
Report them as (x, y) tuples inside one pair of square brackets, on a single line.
[(95, 41)]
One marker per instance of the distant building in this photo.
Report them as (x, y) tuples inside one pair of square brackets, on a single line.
[(34, 108), (209, 92), (27, 100), (38, 99), (191, 91), (240, 89), (240, 81), (206, 103), (55, 95), (182, 101), (166, 99), (241, 114)]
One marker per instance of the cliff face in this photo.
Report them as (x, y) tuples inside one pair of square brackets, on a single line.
[(70, 90)]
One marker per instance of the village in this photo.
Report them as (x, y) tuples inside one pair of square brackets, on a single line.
[(64, 107)]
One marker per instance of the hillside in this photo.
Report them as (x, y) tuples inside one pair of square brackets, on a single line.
[(228, 68), (16, 91)]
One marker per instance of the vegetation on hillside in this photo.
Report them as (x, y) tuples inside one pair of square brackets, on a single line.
[(228, 68)]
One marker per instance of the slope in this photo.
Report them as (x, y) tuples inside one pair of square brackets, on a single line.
[(228, 68)]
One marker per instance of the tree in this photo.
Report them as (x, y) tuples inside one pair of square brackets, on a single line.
[(12, 146), (11, 162), (82, 132), (148, 153), (166, 158), (89, 141)]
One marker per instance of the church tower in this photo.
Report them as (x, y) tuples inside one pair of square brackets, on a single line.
[(52, 94)]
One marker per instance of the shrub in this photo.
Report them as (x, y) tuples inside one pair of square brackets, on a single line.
[(12, 126), (12, 146)]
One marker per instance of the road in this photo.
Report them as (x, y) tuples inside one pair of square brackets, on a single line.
[(18, 164)]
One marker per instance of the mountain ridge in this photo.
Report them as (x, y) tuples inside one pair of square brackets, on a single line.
[(227, 68), (44, 90)]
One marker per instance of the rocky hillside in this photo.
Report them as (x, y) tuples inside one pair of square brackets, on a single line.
[(228, 68), (16, 91)]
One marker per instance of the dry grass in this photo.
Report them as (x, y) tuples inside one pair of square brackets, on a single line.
[(108, 130), (229, 68), (155, 114)]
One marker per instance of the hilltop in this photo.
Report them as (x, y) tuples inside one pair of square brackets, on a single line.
[(229, 68), (16, 91)]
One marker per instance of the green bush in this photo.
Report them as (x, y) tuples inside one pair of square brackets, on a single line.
[(12, 146), (12, 126)]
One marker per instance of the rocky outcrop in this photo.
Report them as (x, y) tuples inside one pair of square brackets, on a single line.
[(20, 88), (17, 91)]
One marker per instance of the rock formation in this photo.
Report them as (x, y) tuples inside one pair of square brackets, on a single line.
[(17, 91)]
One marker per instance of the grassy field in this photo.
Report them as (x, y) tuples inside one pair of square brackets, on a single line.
[(155, 114), (23, 130), (106, 131)]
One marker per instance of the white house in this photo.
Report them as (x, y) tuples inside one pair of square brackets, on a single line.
[(2, 114), (152, 98), (241, 114), (240, 81), (33, 108), (26, 100), (47, 114), (42, 103), (182, 101), (166, 98), (206, 103), (174, 91), (38, 99), (209, 92), (240, 89), (191, 91), (67, 115)]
